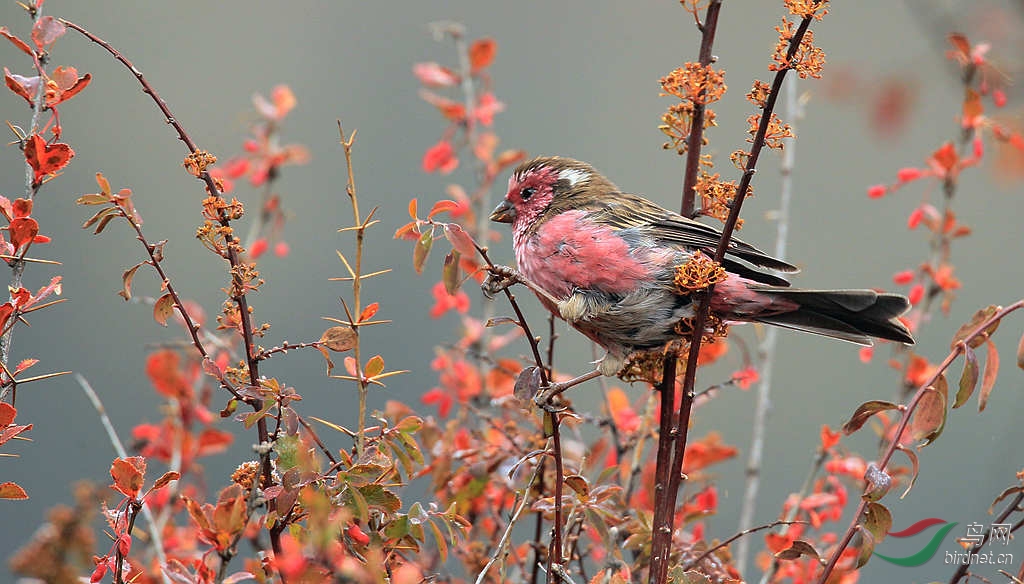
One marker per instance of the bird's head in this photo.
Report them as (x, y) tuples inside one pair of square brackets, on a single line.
[(538, 184)]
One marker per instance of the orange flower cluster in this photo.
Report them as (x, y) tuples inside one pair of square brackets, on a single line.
[(694, 84), (816, 9), (807, 61), (698, 273), (717, 196), (777, 131)]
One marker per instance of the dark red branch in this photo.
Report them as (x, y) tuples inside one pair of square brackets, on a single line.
[(696, 138)]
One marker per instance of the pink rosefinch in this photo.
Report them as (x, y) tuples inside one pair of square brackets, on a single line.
[(605, 261)]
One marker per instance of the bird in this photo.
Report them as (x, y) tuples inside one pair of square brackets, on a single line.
[(605, 261)]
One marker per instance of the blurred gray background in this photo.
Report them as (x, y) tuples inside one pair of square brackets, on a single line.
[(579, 79)]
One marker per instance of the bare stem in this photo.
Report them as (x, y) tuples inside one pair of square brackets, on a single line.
[(761, 410), (696, 137)]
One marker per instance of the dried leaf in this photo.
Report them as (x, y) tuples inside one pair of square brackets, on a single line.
[(988, 378), (968, 379), (797, 549), (915, 466), (1020, 353), (527, 383), (450, 272), (970, 326), (165, 480), (163, 309), (579, 484), (338, 338), (867, 546), (877, 520), (929, 417), (126, 281), (864, 413)]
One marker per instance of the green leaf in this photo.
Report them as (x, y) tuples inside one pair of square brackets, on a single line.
[(422, 250), (968, 379)]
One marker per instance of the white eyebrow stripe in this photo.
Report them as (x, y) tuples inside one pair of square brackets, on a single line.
[(573, 175)]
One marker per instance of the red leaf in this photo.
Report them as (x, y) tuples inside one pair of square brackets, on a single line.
[(877, 191), (460, 240), (46, 159), (16, 41), (829, 438), (46, 31), (128, 474), (369, 311), (24, 86), (7, 414), (21, 208), (23, 231), (481, 53)]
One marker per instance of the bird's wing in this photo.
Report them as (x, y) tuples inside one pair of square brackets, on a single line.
[(624, 211)]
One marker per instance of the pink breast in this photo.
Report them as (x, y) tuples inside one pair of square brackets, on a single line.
[(568, 251)]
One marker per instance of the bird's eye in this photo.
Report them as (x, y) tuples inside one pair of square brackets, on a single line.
[(526, 193)]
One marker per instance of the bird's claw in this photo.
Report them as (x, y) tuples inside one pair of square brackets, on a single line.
[(498, 279)]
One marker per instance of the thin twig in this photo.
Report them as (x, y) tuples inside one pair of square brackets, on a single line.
[(696, 137), (524, 499), (119, 449), (240, 300), (739, 535), (761, 410)]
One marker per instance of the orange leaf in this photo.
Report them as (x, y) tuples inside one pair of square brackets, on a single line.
[(46, 159), (412, 208), (972, 109), (442, 206), (11, 490), (481, 53), (128, 474), (960, 43), (165, 480), (16, 41), (369, 311)]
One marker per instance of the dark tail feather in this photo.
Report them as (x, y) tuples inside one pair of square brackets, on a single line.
[(850, 315)]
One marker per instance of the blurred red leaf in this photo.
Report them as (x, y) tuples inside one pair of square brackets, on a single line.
[(46, 31), (5, 32), (481, 53)]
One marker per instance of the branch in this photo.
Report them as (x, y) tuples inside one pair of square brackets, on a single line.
[(908, 411), (232, 257)]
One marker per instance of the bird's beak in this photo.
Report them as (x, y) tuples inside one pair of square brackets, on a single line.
[(504, 212)]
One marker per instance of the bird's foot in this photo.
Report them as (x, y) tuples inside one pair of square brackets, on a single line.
[(498, 279)]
